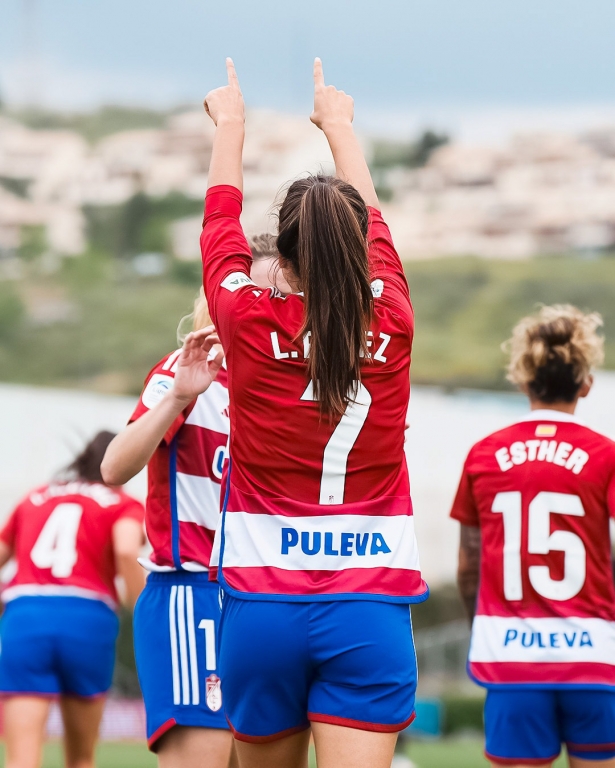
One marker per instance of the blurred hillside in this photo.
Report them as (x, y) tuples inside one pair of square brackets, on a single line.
[(95, 322), (100, 216)]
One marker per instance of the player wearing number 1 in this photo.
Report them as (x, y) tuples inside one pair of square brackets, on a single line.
[(534, 503), (318, 557), (69, 540)]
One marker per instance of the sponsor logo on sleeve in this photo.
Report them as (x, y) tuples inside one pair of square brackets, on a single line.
[(377, 288), (157, 387), (235, 281)]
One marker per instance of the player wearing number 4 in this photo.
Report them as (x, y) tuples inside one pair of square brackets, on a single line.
[(534, 503), (69, 540), (318, 557)]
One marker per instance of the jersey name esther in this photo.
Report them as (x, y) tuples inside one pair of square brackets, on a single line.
[(562, 454)]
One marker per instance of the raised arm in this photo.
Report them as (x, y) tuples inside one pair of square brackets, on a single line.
[(131, 450), (226, 108), (333, 114)]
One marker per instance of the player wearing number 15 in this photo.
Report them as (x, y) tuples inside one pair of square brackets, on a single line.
[(70, 539), (534, 503), (318, 557)]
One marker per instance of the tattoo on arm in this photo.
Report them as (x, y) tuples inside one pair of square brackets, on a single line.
[(468, 571)]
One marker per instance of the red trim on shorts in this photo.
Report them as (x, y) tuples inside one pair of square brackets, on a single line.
[(518, 760), (591, 747), (159, 732), (266, 739), (360, 725)]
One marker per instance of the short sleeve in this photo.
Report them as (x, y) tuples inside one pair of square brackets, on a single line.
[(159, 383), (387, 276), (227, 260), (464, 507), (132, 509), (9, 530)]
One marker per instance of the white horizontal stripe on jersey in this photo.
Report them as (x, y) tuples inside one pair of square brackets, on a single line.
[(544, 640), (187, 565), (198, 500), (149, 565), (55, 590), (210, 410), (214, 558), (252, 540)]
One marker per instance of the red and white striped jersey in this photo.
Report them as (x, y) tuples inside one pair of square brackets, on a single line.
[(183, 499), (315, 508), (541, 492), (62, 538)]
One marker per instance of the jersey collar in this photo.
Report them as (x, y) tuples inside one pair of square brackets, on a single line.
[(548, 414)]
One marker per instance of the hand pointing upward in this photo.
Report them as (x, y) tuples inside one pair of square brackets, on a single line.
[(226, 104), (331, 106)]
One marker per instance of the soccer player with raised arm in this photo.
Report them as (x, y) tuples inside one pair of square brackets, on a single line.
[(180, 430), (535, 567), (69, 540), (318, 557)]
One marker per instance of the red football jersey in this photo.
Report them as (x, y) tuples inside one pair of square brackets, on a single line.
[(315, 508), (541, 492), (62, 538), (183, 499)]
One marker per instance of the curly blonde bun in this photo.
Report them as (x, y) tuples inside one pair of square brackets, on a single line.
[(553, 352)]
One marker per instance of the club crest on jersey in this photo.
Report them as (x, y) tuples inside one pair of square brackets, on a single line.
[(157, 387), (213, 693), (235, 281)]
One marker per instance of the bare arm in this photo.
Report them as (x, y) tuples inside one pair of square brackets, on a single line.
[(128, 539), (333, 114), (130, 451), (468, 571), (226, 108)]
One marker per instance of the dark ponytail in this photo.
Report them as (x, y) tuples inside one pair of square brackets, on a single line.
[(86, 465), (323, 234)]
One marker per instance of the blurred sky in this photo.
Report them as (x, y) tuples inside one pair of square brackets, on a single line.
[(430, 59)]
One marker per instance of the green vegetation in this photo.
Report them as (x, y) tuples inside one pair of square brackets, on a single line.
[(115, 325), (91, 125), (108, 755), (466, 307), (457, 753), (408, 154), (140, 224)]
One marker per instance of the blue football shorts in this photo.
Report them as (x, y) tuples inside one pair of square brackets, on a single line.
[(55, 646), (530, 725), (175, 626), (286, 664)]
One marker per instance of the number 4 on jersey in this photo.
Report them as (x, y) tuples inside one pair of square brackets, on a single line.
[(56, 546)]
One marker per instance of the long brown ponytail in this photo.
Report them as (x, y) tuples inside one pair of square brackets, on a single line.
[(323, 234)]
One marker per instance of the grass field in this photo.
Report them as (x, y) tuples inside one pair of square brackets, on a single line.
[(460, 753)]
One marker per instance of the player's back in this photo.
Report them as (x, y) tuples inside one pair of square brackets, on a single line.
[(541, 492), (62, 536)]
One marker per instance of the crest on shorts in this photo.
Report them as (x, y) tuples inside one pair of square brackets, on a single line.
[(213, 693)]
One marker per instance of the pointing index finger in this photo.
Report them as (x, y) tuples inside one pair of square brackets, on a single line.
[(319, 77), (232, 74)]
